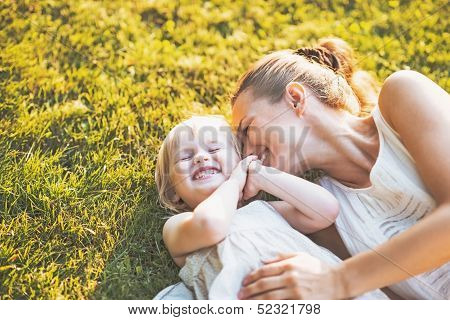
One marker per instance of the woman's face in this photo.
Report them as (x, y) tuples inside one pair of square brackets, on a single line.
[(272, 131)]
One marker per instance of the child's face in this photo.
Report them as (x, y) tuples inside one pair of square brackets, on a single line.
[(202, 162)]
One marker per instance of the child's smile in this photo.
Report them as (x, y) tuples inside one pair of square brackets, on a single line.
[(205, 173)]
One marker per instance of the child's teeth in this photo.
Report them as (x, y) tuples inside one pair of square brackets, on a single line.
[(202, 174)]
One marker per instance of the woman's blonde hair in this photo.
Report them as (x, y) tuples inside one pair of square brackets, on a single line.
[(328, 70), (166, 189)]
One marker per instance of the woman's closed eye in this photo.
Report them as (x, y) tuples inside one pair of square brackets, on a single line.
[(244, 132)]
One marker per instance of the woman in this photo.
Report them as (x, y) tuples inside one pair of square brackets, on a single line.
[(298, 110)]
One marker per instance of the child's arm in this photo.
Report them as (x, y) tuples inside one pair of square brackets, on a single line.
[(307, 207), (208, 224)]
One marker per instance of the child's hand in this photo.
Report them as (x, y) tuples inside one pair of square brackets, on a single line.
[(240, 172), (251, 188)]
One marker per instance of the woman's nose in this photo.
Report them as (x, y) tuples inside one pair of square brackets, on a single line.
[(248, 149)]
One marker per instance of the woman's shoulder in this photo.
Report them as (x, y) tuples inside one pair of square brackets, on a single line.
[(404, 96)]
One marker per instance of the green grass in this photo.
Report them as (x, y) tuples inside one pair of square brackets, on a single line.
[(88, 89)]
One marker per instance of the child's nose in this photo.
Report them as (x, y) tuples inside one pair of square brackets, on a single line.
[(201, 157)]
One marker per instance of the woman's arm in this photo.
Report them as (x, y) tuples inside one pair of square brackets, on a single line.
[(208, 224), (419, 111), (306, 206)]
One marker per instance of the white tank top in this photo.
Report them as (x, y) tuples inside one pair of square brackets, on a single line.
[(395, 201)]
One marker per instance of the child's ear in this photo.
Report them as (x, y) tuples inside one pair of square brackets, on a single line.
[(175, 198), (295, 96)]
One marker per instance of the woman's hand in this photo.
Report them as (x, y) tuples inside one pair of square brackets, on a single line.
[(294, 276)]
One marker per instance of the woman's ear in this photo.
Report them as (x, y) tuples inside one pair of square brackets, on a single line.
[(296, 97)]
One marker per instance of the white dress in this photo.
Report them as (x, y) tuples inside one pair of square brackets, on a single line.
[(257, 232), (396, 200)]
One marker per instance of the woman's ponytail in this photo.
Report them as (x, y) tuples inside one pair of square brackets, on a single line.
[(362, 83), (319, 68)]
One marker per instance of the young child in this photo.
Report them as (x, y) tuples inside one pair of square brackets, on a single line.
[(199, 174)]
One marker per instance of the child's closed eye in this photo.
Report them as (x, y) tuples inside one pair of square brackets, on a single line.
[(214, 147), (214, 150), (185, 156)]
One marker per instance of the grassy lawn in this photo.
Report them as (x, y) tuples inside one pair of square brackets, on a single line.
[(88, 90)]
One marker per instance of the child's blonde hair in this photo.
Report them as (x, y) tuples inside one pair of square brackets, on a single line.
[(164, 185), (328, 69)]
